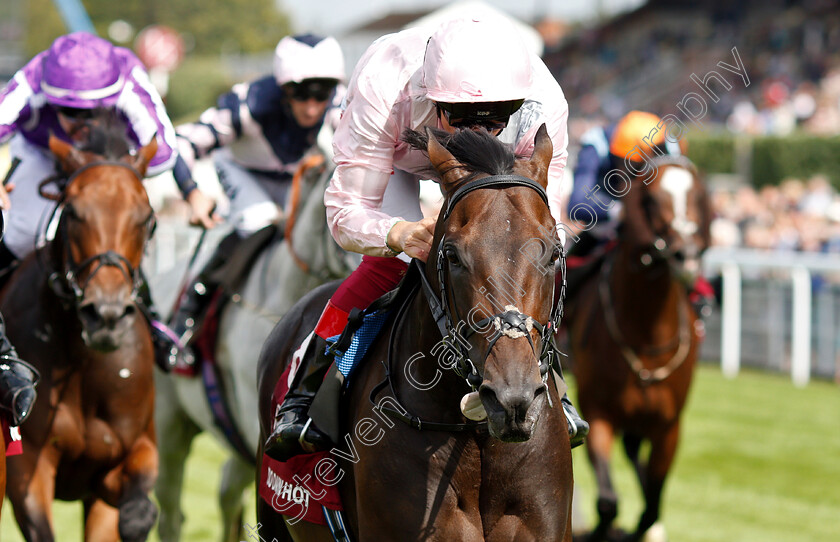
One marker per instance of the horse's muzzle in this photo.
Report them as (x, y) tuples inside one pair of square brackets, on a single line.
[(512, 414), (104, 323)]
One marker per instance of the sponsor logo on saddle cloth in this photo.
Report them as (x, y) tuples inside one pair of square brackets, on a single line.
[(11, 438), (299, 487)]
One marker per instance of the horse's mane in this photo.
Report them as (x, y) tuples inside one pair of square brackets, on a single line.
[(108, 136), (477, 150)]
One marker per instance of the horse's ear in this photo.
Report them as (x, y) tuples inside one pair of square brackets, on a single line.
[(69, 156), (142, 159), (541, 158), (446, 165)]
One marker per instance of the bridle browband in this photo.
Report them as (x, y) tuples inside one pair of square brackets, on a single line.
[(454, 336), (65, 283)]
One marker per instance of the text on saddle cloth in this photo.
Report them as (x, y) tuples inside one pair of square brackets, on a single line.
[(299, 487)]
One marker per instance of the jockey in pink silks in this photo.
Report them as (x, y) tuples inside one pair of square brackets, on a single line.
[(61, 91), (467, 73)]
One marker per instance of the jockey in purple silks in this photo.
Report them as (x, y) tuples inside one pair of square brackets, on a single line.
[(61, 91)]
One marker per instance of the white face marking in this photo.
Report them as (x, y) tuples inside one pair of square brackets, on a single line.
[(677, 182)]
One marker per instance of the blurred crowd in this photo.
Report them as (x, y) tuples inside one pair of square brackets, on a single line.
[(644, 59), (797, 215)]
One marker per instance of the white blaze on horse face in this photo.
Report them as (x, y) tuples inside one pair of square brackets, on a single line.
[(677, 181)]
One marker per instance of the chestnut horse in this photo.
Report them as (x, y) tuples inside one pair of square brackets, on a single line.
[(417, 469), (91, 435), (633, 335)]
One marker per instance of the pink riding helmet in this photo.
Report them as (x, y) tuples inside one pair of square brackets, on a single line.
[(477, 60), (82, 71)]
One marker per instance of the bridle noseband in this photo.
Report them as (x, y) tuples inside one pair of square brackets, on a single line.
[(65, 282)]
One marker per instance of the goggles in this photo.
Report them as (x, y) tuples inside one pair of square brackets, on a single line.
[(490, 115), (74, 113), (319, 90)]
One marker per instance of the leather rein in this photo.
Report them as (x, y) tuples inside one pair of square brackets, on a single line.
[(454, 335)]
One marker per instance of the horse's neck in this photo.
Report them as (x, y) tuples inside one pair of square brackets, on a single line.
[(642, 295), (431, 391)]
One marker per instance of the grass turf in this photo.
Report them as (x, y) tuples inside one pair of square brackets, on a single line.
[(759, 461)]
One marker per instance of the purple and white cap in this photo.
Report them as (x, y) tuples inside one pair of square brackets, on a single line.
[(82, 70)]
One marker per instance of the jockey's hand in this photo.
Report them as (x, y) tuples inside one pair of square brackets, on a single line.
[(5, 202), (203, 210), (413, 238)]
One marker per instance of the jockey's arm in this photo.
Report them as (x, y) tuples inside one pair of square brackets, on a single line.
[(147, 118), (353, 199)]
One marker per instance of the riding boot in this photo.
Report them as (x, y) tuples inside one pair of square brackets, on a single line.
[(294, 433), (17, 382), (577, 426), (168, 348), (195, 301)]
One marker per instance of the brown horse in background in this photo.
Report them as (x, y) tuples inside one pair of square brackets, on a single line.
[(633, 335), (430, 474), (72, 313)]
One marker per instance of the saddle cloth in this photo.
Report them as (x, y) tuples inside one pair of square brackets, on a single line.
[(11, 438), (298, 488)]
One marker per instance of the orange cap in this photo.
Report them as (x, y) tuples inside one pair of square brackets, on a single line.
[(631, 131)]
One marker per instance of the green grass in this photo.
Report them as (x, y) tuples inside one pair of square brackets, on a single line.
[(199, 502), (759, 462)]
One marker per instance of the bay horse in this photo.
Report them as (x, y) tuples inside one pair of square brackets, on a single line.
[(91, 433), (411, 467), (634, 336), (305, 257)]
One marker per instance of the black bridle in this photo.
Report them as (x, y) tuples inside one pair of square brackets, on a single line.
[(65, 282), (508, 321), (451, 329)]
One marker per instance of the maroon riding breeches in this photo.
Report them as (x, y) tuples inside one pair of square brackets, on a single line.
[(373, 278)]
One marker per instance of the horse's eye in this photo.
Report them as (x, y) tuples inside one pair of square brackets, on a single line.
[(555, 255), (452, 256), (151, 224)]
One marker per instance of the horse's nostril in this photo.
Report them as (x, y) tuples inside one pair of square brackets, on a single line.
[(488, 396), (88, 313), (107, 315)]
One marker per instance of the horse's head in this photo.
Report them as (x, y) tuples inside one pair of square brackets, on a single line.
[(493, 261), (666, 217), (105, 223)]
